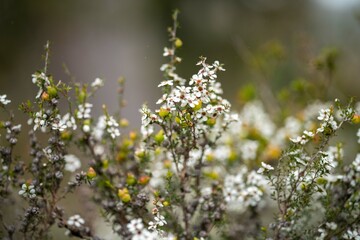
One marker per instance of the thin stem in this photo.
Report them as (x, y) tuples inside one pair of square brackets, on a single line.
[(47, 51)]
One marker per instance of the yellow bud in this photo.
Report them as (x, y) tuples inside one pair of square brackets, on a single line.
[(158, 151), (126, 143), (198, 106), (87, 122), (91, 173), (169, 174), (232, 156), (143, 180), (356, 119), (163, 112), (121, 156), (167, 163), (166, 203), (130, 179), (159, 137), (126, 198), (211, 122), (105, 163), (177, 120), (132, 135), (321, 181), (178, 42), (210, 157), (140, 154), (45, 96), (122, 192), (124, 122), (213, 175), (156, 194), (65, 135), (273, 152), (52, 91), (82, 96)]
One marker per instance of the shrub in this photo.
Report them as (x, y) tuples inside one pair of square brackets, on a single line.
[(195, 170)]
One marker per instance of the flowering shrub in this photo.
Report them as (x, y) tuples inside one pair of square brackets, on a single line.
[(195, 170)]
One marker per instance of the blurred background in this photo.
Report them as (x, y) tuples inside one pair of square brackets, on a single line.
[(109, 39), (114, 38)]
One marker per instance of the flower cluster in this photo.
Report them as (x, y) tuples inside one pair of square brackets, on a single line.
[(245, 189), (112, 127)]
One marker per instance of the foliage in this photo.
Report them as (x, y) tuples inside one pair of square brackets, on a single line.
[(195, 170)]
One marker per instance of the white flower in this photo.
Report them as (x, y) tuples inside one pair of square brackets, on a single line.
[(168, 52), (309, 134), (86, 128), (160, 220), (40, 120), (331, 225), (59, 124), (233, 117), (84, 111), (98, 82), (265, 167), (3, 100), (218, 66), (99, 150), (249, 149), (327, 119), (135, 225), (40, 78), (166, 83), (73, 163), (69, 121), (27, 191), (351, 234), (98, 131), (76, 221)]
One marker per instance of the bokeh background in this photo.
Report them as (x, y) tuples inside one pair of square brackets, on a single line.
[(113, 38)]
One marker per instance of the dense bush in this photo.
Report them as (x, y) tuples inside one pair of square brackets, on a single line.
[(195, 170)]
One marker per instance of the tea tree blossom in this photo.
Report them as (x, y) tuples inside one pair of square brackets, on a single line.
[(84, 111), (40, 120), (27, 191), (136, 227), (69, 121), (72, 163), (325, 115), (59, 124), (352, 234), (166, 83), (97, 83), (3, 100), (265, 167), (76, 221), (159, 220)]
